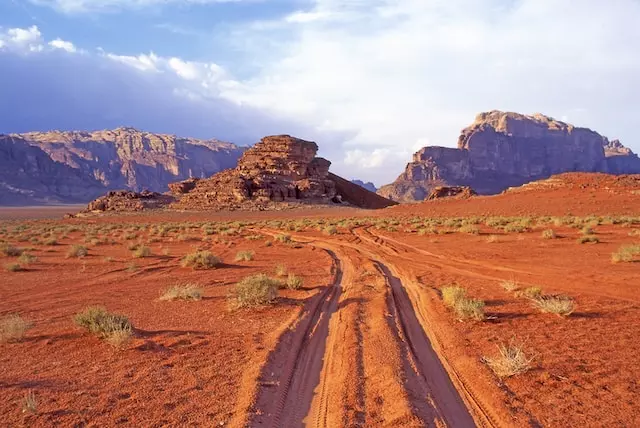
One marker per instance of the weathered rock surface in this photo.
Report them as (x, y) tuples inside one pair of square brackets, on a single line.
[(459, 192), (279, 169), (79, 166), (501, 150), (125, 200), (368, 185)]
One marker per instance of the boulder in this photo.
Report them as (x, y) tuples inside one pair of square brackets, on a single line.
[(458, 192)]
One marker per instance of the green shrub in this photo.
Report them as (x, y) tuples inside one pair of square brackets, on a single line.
[(246, 256), (255, 290), (77, 251), (114, 328), (201, 260), (182, 292), (13, 328)]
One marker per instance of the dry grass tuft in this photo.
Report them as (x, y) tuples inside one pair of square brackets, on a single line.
[(510, 361), (294, 282), (13, 328), (588, 239), (246, 256), (142, 251), (255, 290), (113, 328), (13, 267), (182, 292), (492, 239), (281, 270), (626, 253), (77, 251), (559, 305), (549, 234), (330, 230), (10, 250), (529, 292), (201, 260), (30, 403), (510, 285), (464, 307)]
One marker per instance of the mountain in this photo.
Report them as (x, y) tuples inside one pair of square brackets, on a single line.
[(77, 166), (503, 149), (368, 185)]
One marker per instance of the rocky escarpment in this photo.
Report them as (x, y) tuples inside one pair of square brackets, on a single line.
[(87, 164), (501, 150), (277, 171)]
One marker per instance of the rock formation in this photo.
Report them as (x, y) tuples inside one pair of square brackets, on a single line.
[(459, 192), (277, 169), (368, 185), (501, 150), (125, 200), (87, 164)]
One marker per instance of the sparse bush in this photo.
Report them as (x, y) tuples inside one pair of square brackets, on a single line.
[(10, 250), (451, 294), (281, 270), (268, 243), (491, 239), (255, 290), (510, 361), (470, 229), (30, 403), (464, 307), (201, 260), (182, 292), (529, 292), (549, 234), (559, 305), (77, 251), (510, 285), (13, 267), (246, 256), (282, 237), (514, 227), (587, 230), (13, 328), (626, 253), (50, 241), (114, 328), (330, 230), (142, 251), (294, 282), (591, 239), (27, 259)]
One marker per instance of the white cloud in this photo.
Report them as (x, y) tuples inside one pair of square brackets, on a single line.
[(92, 6), (21, 39), (62, 44), (141, 62)]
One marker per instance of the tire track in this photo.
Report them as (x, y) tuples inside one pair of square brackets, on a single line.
[(286, 400)]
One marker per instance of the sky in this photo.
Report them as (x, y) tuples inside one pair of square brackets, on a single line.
[(371, 81)]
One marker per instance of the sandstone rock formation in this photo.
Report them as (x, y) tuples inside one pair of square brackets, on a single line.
[(125, 200), (278, 169), (501, 150), (87, 164), (459, 192)]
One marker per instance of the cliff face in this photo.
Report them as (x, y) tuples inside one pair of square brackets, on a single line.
[(277, 169), (500, 150), (86, 164)]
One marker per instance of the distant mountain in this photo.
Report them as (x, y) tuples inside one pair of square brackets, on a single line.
[(77, 166), (501, 149), (368, 185)]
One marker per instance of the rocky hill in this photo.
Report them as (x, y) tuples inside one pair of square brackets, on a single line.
[(501, 150), (368, 185), (47, 167), (277, 172)]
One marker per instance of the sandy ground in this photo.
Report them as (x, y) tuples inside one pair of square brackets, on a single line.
[(366, 342)]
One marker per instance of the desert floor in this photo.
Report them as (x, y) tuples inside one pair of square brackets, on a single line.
[(367, 339)]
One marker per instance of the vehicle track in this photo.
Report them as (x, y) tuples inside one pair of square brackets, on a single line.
[(286, 400)]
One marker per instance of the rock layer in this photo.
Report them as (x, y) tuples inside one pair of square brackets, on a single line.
[(87, 164), (501, 150)]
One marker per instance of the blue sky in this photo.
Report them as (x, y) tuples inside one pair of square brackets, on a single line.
[(370, 80)]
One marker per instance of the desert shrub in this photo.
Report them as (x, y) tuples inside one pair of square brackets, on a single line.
[(590, 239), (281, 270), (294, 282), (549, 234), (587, 230), (510, 285), (10, 250), (246, 256), (465, 308), (201, 260), (182, 292), (626, 253), (26, 258), (282, 237), (130, 236), (268, 243), (515, 227), (491, 239), (50, 241), (30, 403), (77, 251), (13, 267), (510, 361), (470, 229), (13, 328), (330, 230), (255, 290), (529, 292), (559, 305), (253, 237), (114, 328), (142, 251)]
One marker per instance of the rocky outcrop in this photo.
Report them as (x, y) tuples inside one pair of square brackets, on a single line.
[(368, 185), (501, 150), (88, 164), (125, 200), (277, 171), (458, 192)]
